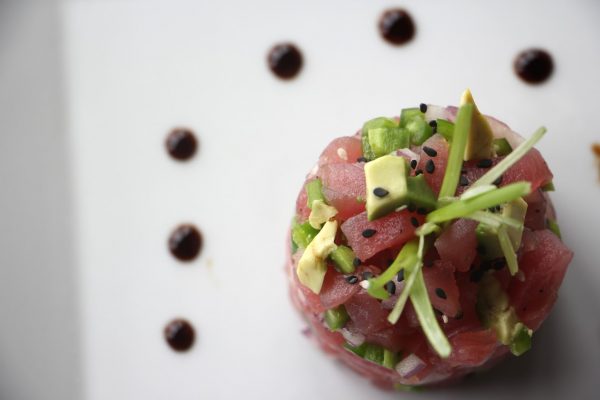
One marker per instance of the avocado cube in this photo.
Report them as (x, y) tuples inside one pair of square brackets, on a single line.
[(387, 187), (480, 142)]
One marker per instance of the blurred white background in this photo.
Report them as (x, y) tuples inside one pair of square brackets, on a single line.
[(88, 196)]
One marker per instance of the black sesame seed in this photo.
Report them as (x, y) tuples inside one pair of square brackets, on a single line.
[(418, 172), (367, 275), (390, 287), (428, 263), (390, 261), (413, 164), (356, 262), (429, 166), (414, 222), (485, 163), (541, 290), (429, 151), (481, 249), (433, 123), (361, 159), (498, 264), (423, 107), (352, 279), (439, 292), (367, 233), (412, 208), (380, 192), (498, 181), (400, 276), (464, 181), (421, 211)]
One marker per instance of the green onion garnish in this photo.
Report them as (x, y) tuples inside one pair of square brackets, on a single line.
[(410, 276), (457, 150), (500, 168), (553, 226), (463, 208), (493, 220), (336, 318), (508, 250), (406, 258)]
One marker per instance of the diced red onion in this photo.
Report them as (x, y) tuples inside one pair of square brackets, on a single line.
[(354, 338), (410, 366)]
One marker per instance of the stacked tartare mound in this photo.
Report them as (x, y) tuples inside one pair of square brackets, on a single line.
[(426, 247)]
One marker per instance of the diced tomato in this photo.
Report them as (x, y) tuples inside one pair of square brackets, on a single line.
[(344, 187), (543, 268), (458, 244), (346, 149), (434, 179), (441, 287), (391, 230)]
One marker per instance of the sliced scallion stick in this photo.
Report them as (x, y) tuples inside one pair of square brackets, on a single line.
[(508, 250), (404, 260), (457, 150), (462, 208), (494, 220), (411, 269), (518, 153)]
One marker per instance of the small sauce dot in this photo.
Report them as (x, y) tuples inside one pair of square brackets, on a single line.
[(180, 335), (396, 26), (181, 144), (534, 65), (285, 60), (185, 242)]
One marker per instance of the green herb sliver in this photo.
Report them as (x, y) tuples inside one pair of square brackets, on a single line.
[(508, 250), (496, 172), (405, 260), (463, 208), (493, 220), (457, 150)]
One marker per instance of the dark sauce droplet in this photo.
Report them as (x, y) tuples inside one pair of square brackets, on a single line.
[(285, 60), (181, 144), (180, 335), (185, 242), (396, 26), (534, 65)]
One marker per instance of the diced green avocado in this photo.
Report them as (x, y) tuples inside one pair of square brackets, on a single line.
[(385, 140), (336, 318), (320, 213), (386, 185), (343, 256), (413, 121), (488, 239), (549, 187), (380, 122), (481, 138), (445, 128), (495, 312), (312, 266), (502, 147), (419, 193)]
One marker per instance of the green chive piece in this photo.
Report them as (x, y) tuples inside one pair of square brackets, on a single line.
[(410, 276), (336, 318), (457, 150), (314, 192), (502, 147), (549, 187), (406, 258), (553, 226), (462, 208), (424, 310), (503, 166), (445, 128), (508, 250), (521, 341), (493, 220), (343, 256), (303, 234)]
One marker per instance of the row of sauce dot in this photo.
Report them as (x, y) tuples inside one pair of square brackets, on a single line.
[(285, 60)]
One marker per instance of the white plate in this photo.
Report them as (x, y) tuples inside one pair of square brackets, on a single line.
[(133, 70)]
